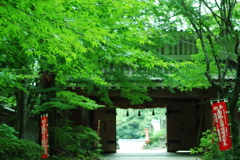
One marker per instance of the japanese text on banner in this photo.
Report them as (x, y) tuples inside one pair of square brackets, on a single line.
[(44, 135), (220, 118)]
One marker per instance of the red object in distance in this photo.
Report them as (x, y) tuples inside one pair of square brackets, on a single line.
[(221, 121), (147, 136)]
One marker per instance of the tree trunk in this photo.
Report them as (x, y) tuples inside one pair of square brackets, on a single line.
[(22, 110), (234, 120)]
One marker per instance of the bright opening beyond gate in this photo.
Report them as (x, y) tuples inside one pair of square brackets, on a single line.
[(141, 130)]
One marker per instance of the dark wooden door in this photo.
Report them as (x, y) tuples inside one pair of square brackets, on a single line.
[(181, 126), (107, 117)]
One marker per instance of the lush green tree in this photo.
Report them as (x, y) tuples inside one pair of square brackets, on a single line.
[(215, 24), (49, 43)]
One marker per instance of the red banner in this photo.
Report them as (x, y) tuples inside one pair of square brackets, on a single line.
[(220, 119), (44, 135)]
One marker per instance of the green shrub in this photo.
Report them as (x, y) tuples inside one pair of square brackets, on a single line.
[(7, 131), (155, 138), (15, 149), (209, 148), (79, 141), (11, 148)]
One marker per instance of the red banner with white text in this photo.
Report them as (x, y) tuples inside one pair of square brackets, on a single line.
[(221, 121), (44, 135)]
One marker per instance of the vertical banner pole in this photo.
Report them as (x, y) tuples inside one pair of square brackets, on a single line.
[(230, 120), (98, 132), (98, 127)]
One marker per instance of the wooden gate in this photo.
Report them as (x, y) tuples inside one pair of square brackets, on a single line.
[(107, 117), (181, 126)]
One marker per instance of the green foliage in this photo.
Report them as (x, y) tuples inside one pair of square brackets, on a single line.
[(209, 148), (15, 149), (205, 22), (66, 100), (157, 138), (74, 40), (7, 132), (48, 35), (7, 101), (73, 99), (216, 29), (11, 148), (189, 75), (136, 91), (77, 141)]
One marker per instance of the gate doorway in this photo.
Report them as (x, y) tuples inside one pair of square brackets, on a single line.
[(185, 120), (141, 129), (188, 115)]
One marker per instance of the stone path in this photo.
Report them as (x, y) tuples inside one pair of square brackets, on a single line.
[(135, 151)]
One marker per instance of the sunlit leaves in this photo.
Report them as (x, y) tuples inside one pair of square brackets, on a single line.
[(66, 100), (66, 33)]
